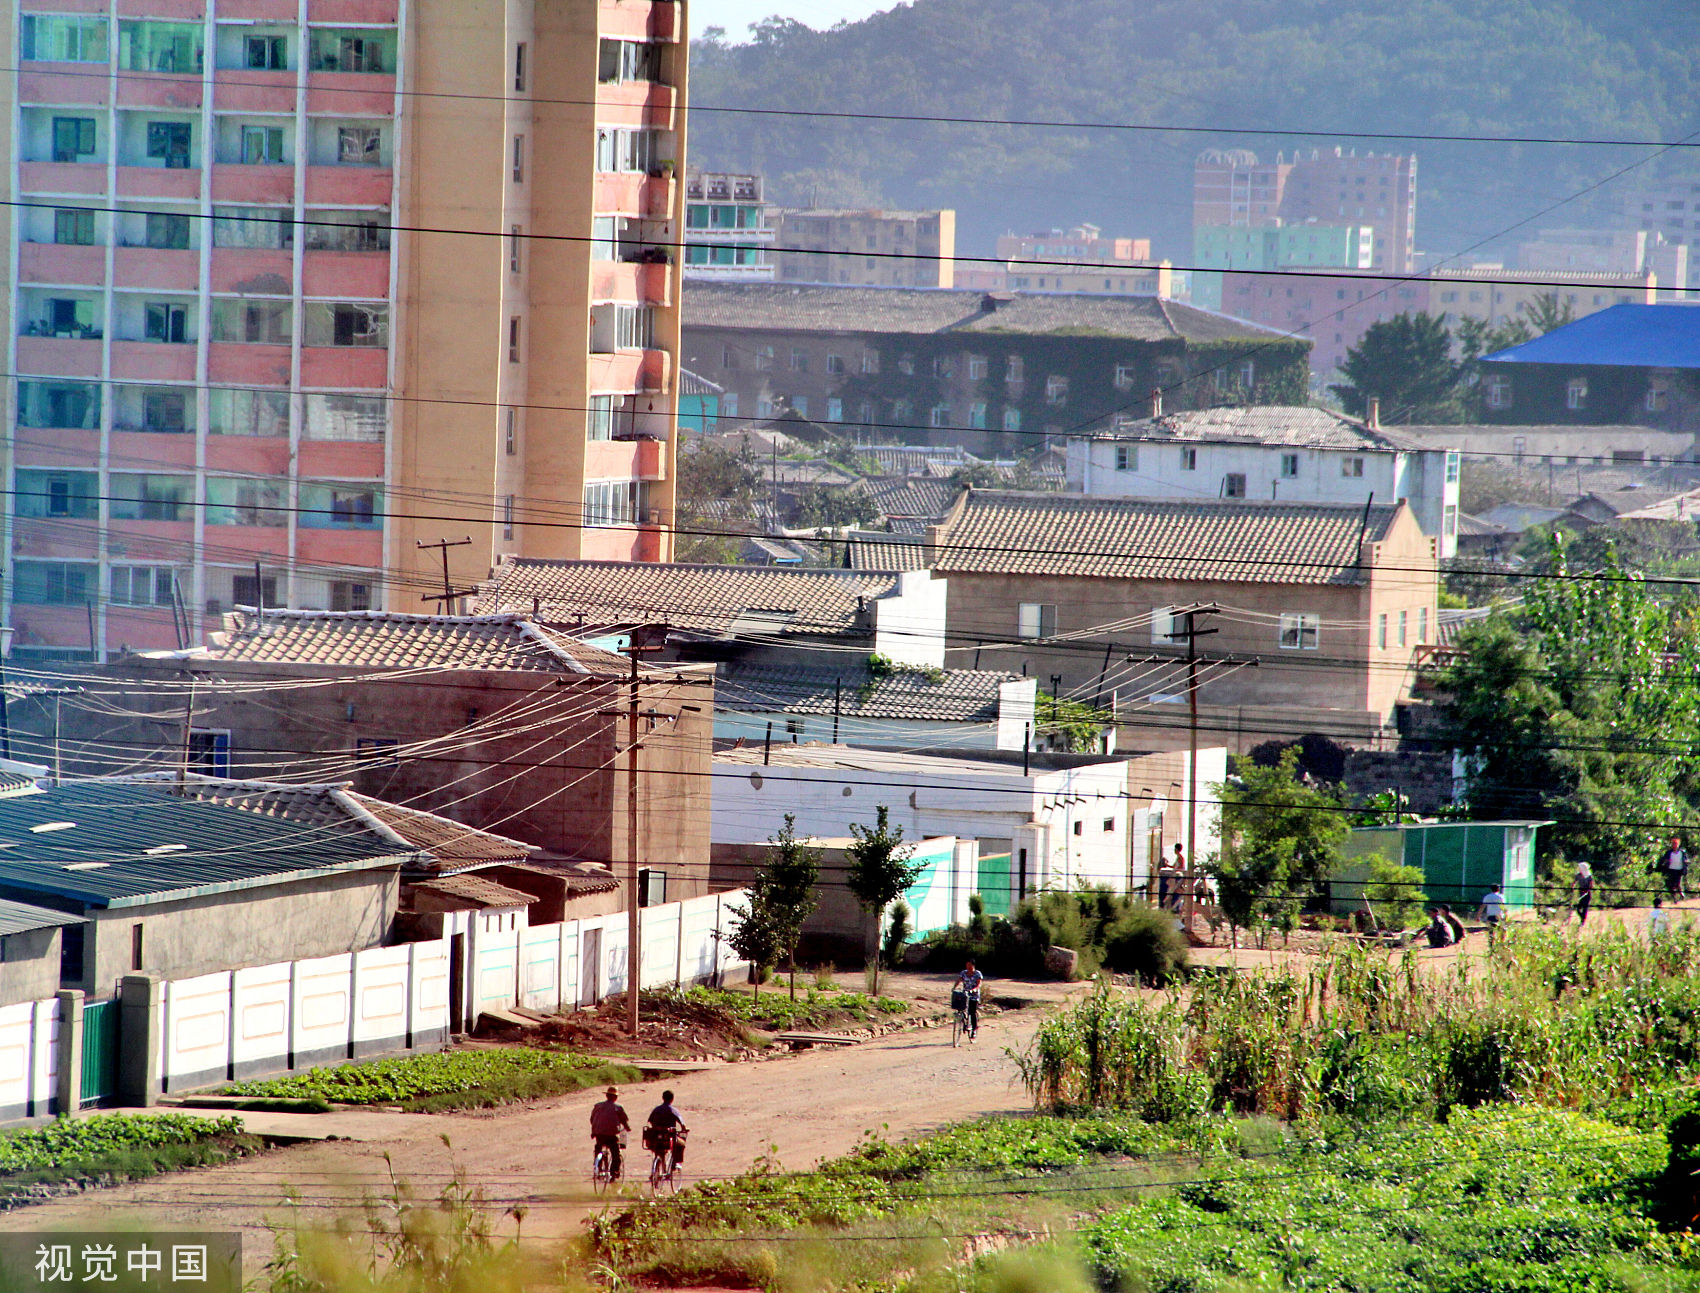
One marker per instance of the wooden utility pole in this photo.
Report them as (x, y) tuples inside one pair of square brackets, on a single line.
[(450, 592), (188, 727), (1192, 633), (634, 923)]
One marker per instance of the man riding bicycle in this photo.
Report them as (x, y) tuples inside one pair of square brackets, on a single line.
[(666, 1128), (968, 983), (607, 1121)]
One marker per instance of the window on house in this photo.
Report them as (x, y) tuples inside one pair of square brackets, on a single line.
[(978, 366), (1109, 825), (247, 501), (870, 361), (1248, 375), (58, 404), (263, 145), (906, 365), (1124, 377), (349, 596), (1127, 457), (977, 416), (513, 340), (634, 327), (1299, 631), (56, 494), (165, 411), (209, 752), (62, 38), (613, 502), (1289, 465), (164, 321), (1011, 419), (1381, 631), (359, 146), (269, 228), (508, 517), (248, 412), (519, 66), (168, 143), (599, 418), (1013, 369), (835, 364), (1056, 390), (943, 366), (1353, 467), (152, 498), (513, 248), (160, 46), (1035, 620), (268, 323), (764, 359), (1189, 460), (142, 585), (728, 358), (73, 227), (834, 409), (902, 410), (54, 583), (165, 231), (1080, 828), (939, 416), (519, 159), (1449, 520), (800, 405), (73, 138), (265, 53), (1499, 392), (348, 231), (628, 60), (1404, 622), (1576, 394), (799, 360), (510, 433), (1452, 468), (1164, 624), (1233, 485)]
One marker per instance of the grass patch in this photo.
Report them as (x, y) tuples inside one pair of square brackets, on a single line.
[(816, 1008), (109, 1148), (260, 1104), (471, 1079)]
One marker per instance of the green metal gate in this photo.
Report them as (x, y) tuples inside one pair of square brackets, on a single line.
[(100, 1053)]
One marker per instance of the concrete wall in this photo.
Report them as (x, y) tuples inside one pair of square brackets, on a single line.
[(909, 626), (29, 965)]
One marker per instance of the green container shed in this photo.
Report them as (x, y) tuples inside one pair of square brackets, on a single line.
[(1460, 861)]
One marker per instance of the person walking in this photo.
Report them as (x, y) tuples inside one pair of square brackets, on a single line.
[(1491, 909), (1674, 867), (1583, 883), (1177, 872), (1658, 919)]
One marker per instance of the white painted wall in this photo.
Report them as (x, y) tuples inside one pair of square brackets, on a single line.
[(909, 623)]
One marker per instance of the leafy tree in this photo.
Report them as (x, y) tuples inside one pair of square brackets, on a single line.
[(1406, 362), (880, 868), (1546, 312), (1281, 839), (790, 881), (716, 502), (755, 938), (1393, 891)]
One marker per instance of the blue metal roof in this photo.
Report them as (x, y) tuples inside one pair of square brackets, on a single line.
[(1629, 336), (106, 844), (20, 917)]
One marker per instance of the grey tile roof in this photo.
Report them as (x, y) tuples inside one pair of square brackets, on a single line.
[(385, 640), (1238, 541), (475, 891), (961, 696), (913, 496), (90, 842), (818, 307), (705, 599), (874, 550), (1475, 527), (1297, 425)]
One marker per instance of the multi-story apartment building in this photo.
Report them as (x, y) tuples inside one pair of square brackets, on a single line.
[(298, 286), (1610, 251), (1335, 186), (728, 233), (1080, 259), (866, 248), (1083, 243), (1497, 295), (1669, 208), (1220, 247)]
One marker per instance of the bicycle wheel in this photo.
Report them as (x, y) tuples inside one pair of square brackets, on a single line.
[(601, 1172), (657, 1175), (956, 1029)]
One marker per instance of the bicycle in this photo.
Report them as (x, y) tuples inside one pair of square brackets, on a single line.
[(960, 1022), (602, 1168), (664, 1171)]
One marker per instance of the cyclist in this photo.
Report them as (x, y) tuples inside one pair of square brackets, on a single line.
[(665, 1125), (607, 1121), (968, 983)]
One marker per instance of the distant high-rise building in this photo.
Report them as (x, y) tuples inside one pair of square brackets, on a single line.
[(728, 231), (1670, 209), (1329, 187), (1078, 260), (296, 286), (866, 248), (1609, 251)]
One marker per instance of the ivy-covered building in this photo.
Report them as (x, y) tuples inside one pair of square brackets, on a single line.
[(995, 372)]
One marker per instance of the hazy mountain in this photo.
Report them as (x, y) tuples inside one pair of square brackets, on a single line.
[(1554, 68)]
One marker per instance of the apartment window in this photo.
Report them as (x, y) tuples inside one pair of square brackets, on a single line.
[(1452, 467), (246, 590), (764, 406), (1422, 625), (165, 411), (1189, 460), (54, 583), (209, 752), (977, 416), (764, 359), (1289, 465), (1127, 457), (906, 365), (800, 405), (1013, 369), (799, 361), (142, 585), (1449, 520), (1352, 467), (939, 416), (902, 410), (870, 361), (1109, 825), (344, 50), (1576, 394), (1035, 620), (519, 159), (168, 143), (58, 404), (943, 366), (627, 150), (268, 323), (613, 502), (359, 146), (1299, 631), (348, 231), (339, 323), (519, 66), (166, 231), (1124, 377), (513, 340), (73, 138), (265, 53), (835, 365), (63, 38), (1233, 485), (1248, 375), (510, 433), (1381, 631), (634, 328), (269, 228), (57, 494), (1011, 419), (599, 418), (362, 418), (1499, 392), (628, 60), (508, 517), (261, 146), (1404, 620), (160, 46), (1056, 390), (152, 498), (349, 596), (341, 507), (246, 501), (247, 412), (166, 322), (728, 358), (834, 409), (73, 227), (513, 249), (978, 366)]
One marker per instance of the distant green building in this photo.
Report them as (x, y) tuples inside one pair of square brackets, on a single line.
[(1460, 861), (1270, 247), (699, 403)]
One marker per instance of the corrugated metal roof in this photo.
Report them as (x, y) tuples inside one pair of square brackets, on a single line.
[(1629, 336), (118, 844), (20, 917), (853, 692)]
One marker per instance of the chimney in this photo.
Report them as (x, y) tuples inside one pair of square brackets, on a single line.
[(1372, 418), (1156, 402)]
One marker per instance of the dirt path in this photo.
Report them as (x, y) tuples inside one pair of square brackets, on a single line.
[(813, 1105)]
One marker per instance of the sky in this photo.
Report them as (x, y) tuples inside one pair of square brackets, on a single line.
[(736, 15)]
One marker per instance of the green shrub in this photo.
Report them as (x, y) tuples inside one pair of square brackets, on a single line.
[(484, 1076), (897, 933), (1146, 943)]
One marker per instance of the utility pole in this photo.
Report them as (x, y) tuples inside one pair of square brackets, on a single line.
[(450, 592), (183, 754), (634, 925), (1192, 633)]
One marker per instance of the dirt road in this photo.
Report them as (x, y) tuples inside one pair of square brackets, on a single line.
[(809, 1106)]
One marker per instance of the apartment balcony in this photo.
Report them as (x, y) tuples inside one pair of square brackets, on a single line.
[(631, 283), (340, 459), (181, 185), (253, 90), (618, 459), (83, 84), (350, 186), (240, 364), (360, 548), (629, 371), (61, 536), (66, 627), (177, 90), (58, 357), (176, 269), (352, 13), (62, 177), (248, 455), (54, 263), (636, 104), (353, 275), (56, 446), (621, 543), (236, 542), (171, 10), (162, 541), (239, 183), (253, 271), (632, 193), (153, 361), (350, 94), (164, 448), (638, 20), (141, 628), (273, 11), (345, 367)]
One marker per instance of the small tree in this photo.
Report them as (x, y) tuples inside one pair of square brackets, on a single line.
[(789, 882), (897, 934), (753, 938), (880, 868), (1406, 362)]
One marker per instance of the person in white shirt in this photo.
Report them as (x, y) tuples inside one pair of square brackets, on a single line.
[(1492, 911), (1658, 920)]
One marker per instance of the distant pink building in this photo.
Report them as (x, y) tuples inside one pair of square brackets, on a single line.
[(1333, 310)]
